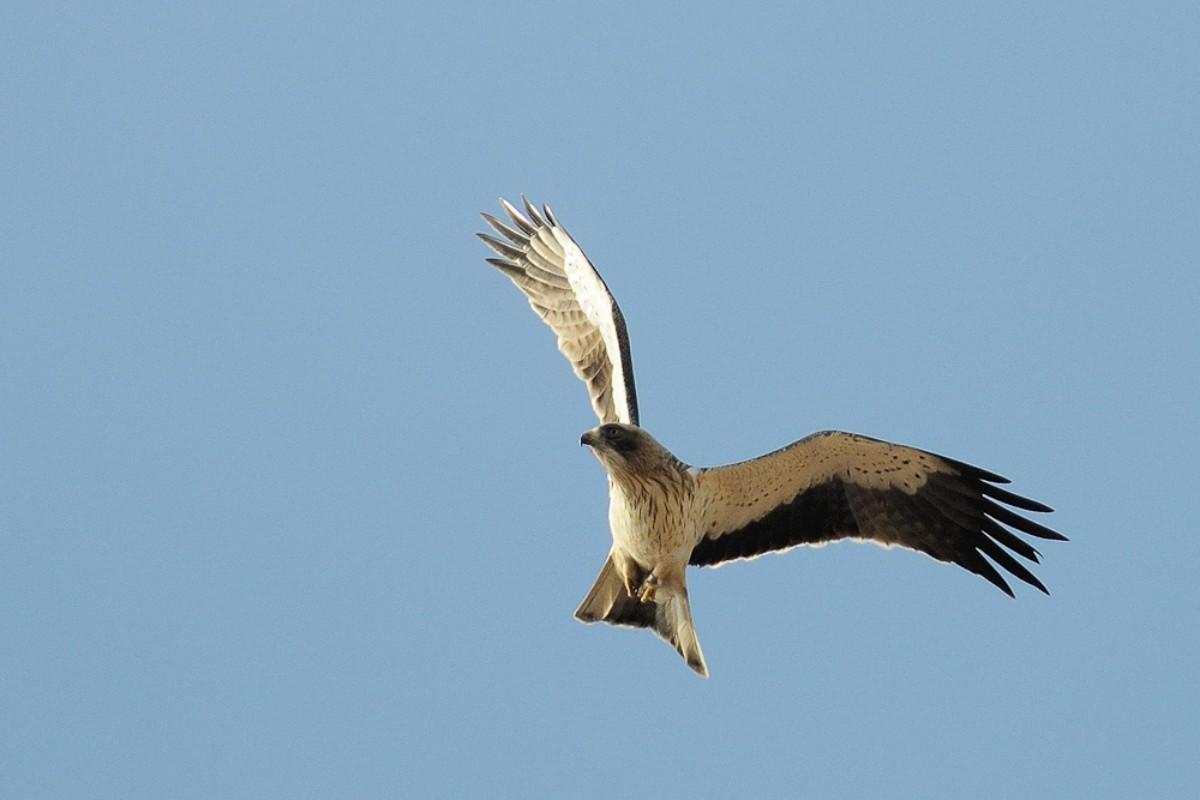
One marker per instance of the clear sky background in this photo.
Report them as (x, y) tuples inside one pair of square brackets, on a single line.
[(291, 497)]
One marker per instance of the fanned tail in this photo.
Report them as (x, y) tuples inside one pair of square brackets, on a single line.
[(670, 618)]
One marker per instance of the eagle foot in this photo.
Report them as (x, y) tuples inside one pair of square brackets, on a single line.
[(648, 589)]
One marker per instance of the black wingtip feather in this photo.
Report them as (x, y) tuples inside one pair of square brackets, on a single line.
[(517, 217), (1014, 499), (989, 573), (503, 248), (1010, 540), (1014, 520), (1001, 557), (507, 267), (514, 236), (978, 472), (532, 211)]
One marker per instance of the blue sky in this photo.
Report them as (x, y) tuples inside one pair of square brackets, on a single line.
[(292, 503)]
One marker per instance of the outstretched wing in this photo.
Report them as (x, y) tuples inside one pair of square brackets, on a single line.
[(567, 292), (835, 485)]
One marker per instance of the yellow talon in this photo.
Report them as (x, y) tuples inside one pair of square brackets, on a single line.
[(649, 589)]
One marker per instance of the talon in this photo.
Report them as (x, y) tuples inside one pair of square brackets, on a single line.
[(648, 589)]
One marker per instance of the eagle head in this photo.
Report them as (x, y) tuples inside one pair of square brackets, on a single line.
[(627, 449)]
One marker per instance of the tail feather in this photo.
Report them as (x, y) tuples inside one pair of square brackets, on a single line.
[(671, 618)]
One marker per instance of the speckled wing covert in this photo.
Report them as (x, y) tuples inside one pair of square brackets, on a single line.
[(835, 485), (567, 292)]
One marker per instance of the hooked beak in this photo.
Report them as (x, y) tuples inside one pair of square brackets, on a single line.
[(586, 439)]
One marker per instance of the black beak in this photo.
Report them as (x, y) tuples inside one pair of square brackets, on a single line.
[(586, 438)]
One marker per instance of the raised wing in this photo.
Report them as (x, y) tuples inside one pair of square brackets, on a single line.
[(835, 485), (567, 292)]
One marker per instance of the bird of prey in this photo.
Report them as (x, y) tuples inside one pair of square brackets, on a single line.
[(666, 515)]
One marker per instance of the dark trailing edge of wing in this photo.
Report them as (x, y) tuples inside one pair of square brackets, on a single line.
[(819, 514), (953, 518), (626, 365)]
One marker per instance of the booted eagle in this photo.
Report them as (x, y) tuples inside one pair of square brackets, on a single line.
[(666, 515)]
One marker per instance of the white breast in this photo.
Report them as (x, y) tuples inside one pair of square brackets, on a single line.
[(629, 528), (648, 525)]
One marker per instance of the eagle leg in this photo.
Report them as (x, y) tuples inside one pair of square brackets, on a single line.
[(633, 574)]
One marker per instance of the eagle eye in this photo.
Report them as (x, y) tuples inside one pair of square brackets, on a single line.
[(619, 439)]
